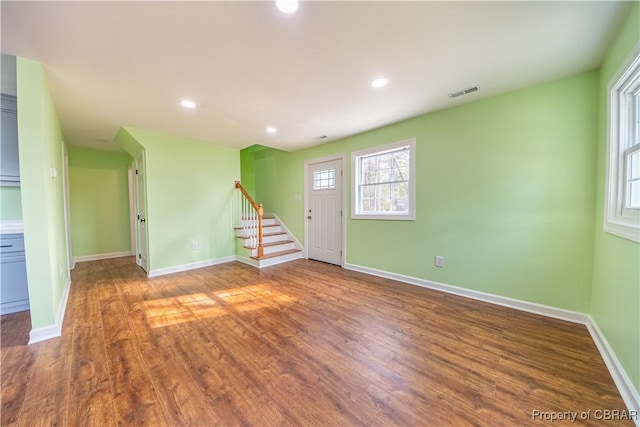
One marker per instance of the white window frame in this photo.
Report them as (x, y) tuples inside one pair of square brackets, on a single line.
[(355, 174), (623, 88)]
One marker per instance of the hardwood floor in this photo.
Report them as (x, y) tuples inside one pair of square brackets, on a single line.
[(302, 343)]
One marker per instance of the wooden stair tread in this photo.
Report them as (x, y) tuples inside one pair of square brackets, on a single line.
[(266, 245), (277, 254), (279, 233), (282, 242), (263, 227), (256, 219)]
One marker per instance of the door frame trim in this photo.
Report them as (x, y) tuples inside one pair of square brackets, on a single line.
[(146, 268), (343, 224)]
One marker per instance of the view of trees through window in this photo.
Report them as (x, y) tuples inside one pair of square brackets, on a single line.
[(384, 182)]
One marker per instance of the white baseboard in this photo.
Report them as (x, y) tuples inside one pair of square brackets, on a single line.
[(628, 392), (208, 263), (622, 381), (14, 306), (544, 310), (55, 330), (249, 261), (98, 257), (190, 266)]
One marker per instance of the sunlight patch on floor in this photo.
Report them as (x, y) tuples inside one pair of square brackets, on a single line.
[(201, 306)]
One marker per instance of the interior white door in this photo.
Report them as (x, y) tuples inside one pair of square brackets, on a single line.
[(141, 214), (324, 211)]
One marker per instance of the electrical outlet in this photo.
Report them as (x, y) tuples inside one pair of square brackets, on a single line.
[(61, 271), (439, 261), (194, 245)]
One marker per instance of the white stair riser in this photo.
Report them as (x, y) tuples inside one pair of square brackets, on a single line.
[(265, 230), (271, 229), (273, 235), (273, 239), (250, 223), (272, 249), (278, 248), (278, 260)]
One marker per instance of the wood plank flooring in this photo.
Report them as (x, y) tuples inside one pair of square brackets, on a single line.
[(303, 344)]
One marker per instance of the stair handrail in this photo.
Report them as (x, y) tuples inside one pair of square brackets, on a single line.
[(259, 212)]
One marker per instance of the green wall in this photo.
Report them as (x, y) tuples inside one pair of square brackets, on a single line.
[(99, 201), (190, 190), (10, 204), (41, 149), (247, 174), (615, 305), (504, 193)]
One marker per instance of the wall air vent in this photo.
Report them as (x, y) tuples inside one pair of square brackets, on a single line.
[(464, 92)]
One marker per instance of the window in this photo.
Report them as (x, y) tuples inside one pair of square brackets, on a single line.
[(622, 201), (384, 182), (324, 180)]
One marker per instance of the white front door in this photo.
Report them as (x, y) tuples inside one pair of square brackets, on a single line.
[(141, 214), (324, 211)]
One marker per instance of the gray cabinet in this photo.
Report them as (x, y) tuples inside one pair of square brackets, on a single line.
[(14, 293), (9, 159)]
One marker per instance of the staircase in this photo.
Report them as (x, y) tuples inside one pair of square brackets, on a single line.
[(262, 239), (277, 245)]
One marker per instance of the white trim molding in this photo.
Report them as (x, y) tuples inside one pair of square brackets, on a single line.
[(55, 330), (622, 94), (629, 394), (191, 266), (97, 257), (343, 222), (14, 306), (544, 310), (249, 261), (410, 215)]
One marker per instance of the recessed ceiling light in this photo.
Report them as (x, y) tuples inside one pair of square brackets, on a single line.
[(379, 82), (187, 103), (271, 129), (287, 6)]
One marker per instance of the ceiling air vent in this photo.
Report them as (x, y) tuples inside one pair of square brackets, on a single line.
[(464, 92)]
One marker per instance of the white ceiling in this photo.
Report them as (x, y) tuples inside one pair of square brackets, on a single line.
[(248, 66)]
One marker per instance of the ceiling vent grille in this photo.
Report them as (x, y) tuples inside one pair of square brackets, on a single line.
[(464, 92)]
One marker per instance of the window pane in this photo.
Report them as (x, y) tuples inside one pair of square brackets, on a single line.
[(637, 119), (384, 161), (384, 175), (634, 195), (634, 165), (382, 182), (324, 179)]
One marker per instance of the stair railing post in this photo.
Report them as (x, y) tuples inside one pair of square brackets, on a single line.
[(251, 221), (260, 247)]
